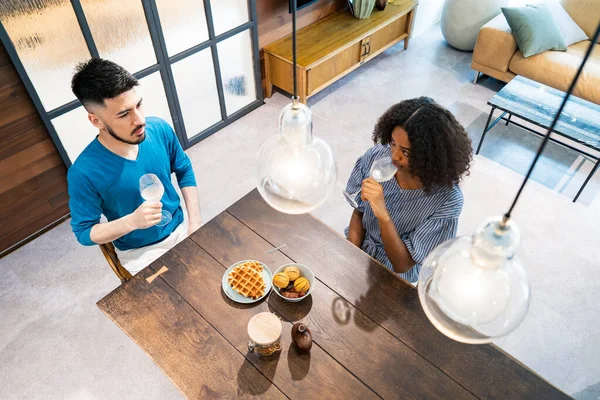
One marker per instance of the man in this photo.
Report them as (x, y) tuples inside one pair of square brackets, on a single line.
[(105, 177)]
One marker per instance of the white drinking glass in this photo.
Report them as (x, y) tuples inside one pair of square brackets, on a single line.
[(382, 170), (152, 189)]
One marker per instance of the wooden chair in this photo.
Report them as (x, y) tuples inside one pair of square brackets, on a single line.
[(108, 249)]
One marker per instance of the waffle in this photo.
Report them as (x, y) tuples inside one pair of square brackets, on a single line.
[(254, 265), (247, 279)]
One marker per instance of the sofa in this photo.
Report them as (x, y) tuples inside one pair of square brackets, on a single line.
[(496, 54)]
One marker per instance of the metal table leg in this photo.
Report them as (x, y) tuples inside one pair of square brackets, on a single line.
[(489, 126), (485, 130), (587, 180), (508, 120)]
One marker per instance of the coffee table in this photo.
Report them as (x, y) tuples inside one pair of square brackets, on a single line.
[(537, 104)]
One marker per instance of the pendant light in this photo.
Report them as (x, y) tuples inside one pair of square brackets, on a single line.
[(475, 289), (296, 171)]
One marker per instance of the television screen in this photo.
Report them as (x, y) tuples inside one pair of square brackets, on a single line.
[(301, 4)]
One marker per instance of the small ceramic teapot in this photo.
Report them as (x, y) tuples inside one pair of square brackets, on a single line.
[(302, 337)]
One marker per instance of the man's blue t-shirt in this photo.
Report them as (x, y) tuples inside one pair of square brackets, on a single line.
[(101, 182)]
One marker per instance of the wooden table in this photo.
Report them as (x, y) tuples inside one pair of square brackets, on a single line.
[(371, 337)]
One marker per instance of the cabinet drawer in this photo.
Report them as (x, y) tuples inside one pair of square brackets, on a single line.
[(388, 34), (333, 68)]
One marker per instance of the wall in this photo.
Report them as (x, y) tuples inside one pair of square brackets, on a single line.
[(429, 13), (33, 185), (275, 20)]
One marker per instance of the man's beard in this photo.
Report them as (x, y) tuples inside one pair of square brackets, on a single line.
[(120, 139)]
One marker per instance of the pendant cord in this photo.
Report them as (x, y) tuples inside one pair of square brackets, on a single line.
[(294, 46), (556, 117)]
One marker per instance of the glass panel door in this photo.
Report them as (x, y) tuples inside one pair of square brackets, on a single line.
[(238, 71), (229, 14), (183, 23), (120, 32), (75, 131), (197, 91), (155, 101), (49, 43), (194, 71)]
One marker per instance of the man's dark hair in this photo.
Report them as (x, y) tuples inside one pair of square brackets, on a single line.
[(99, 79), (441, 150)]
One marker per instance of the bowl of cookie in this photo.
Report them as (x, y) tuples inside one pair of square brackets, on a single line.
[(293, 282)]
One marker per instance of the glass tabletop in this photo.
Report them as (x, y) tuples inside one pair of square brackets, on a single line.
[(538, 103)]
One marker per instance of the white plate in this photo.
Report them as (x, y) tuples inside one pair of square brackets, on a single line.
[(238, 298)]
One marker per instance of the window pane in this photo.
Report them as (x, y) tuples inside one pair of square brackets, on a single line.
[(197, 90), (229, 14), (75, 131), (120, 32), (237, 71), (155, 101), (183, 23), (49, 43)]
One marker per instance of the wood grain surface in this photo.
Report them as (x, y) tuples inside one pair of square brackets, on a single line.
[(335, 32), (484, 370), (197, 277), (197, 359), (371, 338), (26, 154), (367, 350)]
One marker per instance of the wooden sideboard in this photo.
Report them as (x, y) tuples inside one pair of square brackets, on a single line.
[(335, 46)]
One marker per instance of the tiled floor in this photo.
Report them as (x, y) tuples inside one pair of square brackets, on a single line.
[(55, 343)]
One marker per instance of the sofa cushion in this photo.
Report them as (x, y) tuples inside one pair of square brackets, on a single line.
[(557, 69), (534, 29), (572, 33), (495, 45), (586, 13)]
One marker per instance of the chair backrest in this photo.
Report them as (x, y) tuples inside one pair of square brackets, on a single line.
[(108, 249)]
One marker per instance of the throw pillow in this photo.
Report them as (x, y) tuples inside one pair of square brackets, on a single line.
[(571, 32), (534, 29)]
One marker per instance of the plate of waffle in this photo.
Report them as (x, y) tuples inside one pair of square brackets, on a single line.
[(247, 281)]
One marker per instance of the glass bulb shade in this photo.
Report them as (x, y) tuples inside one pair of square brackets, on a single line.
[(474, 289), (296, 171)]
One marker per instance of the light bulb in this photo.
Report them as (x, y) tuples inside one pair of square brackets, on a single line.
[(293, 174), (296, 171), (475, 289)]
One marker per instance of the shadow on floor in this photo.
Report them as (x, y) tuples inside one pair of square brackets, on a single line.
[(591, 392)]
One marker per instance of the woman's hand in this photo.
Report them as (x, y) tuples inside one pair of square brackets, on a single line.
[(372, 191)]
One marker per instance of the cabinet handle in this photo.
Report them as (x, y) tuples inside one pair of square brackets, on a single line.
[(366, 49)]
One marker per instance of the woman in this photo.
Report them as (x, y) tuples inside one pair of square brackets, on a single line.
[(400, 221)]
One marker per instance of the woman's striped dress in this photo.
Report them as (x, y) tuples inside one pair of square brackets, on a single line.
[(423, 220)]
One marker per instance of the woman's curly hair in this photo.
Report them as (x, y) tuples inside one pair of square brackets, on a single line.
[(441, 150)]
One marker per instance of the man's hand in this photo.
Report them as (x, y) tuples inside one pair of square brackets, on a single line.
[(372, 191), (193, 225), (146, 215), (192, 204)]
